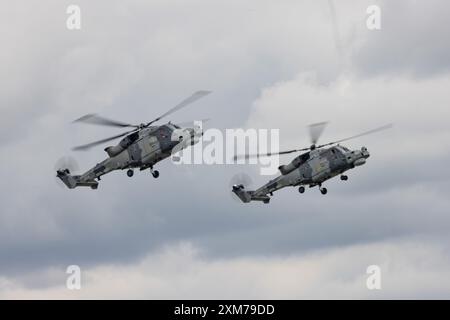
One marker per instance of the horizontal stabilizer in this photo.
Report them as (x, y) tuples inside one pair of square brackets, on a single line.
[(247, 196), (74, 181)]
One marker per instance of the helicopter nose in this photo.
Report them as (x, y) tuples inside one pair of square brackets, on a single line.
[(197, 132), (365, 153)]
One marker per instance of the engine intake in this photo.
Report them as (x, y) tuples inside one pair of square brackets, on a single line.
[(288, 168), (113, 151)]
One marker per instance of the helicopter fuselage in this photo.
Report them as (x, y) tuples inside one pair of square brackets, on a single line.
[(308, 169), (141, 149)]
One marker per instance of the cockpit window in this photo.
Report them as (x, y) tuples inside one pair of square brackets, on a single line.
[(304, 157)]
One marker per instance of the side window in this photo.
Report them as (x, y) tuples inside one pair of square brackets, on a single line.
[(152, 140), (335, 153)]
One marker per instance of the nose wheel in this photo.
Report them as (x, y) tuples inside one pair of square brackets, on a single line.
[(130, 173), (322, 190), (344, 178), (301, 189), (155, 173)]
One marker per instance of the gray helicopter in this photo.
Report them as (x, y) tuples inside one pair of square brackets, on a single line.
[(142, 147), (311, 168)]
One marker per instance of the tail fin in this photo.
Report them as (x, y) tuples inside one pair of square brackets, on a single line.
[(247, 196), (74, 181)]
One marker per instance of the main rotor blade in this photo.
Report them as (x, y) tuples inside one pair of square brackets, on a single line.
[(247, 156), (194, 97), (93, 118), (385, 127), (92, 144), (258, 155), (315, 131)]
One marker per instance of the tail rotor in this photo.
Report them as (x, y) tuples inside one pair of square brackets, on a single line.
[(66, 164), (239, 181)]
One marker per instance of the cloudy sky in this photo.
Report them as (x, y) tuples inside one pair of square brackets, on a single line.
[(270, 64)]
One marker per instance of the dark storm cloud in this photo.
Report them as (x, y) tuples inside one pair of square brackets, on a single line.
[(134, 64), (137, 218)]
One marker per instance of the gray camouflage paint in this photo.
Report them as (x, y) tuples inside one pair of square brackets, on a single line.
[(142, 149), (309, 169)]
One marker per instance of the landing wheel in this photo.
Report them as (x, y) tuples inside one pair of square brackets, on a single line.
[(344, 178), (130, 173), (266, 201), (323, 190), (155, 174), (301, 189)]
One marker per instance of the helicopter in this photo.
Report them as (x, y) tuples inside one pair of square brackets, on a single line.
[(311, 168), (142, 147)]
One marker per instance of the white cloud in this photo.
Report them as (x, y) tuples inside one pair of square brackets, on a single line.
[(417, 107), (408, 270)]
